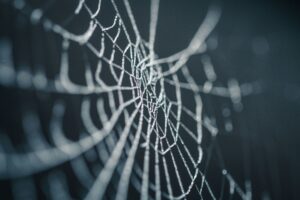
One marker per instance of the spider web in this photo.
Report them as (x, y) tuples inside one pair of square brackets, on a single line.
[(125, 122)]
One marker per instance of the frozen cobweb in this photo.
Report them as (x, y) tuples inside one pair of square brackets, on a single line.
[(112, 119)]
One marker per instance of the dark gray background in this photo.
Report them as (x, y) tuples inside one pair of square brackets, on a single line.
[(265, 143)]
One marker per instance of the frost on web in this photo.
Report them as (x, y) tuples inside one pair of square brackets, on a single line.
[(100, 114)]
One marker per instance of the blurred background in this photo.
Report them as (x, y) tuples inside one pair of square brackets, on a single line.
[(255, 42)]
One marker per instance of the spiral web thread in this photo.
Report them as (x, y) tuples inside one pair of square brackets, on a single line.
[(140, 115)]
